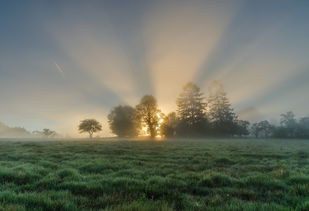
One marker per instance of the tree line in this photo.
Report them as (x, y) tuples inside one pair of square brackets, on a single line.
[(289, 127), (196, 116)]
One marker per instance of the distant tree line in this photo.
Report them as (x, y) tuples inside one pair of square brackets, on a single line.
[(19, 132), (46, 133), (289, 127), (196, 116)]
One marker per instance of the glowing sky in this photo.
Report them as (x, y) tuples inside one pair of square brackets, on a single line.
[(62, 61)]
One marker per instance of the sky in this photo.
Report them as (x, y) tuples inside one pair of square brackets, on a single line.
[(63, 61)]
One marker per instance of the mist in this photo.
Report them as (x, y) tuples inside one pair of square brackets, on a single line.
[(60, 63)]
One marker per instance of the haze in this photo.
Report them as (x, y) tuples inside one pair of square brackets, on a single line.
[(62, 61)]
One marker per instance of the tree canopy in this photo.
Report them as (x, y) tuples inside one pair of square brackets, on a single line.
[(191, 110), (196, 116), (222, 117), (149, 114), (89, 126), (262, 129), (169, 125), (123, 121)]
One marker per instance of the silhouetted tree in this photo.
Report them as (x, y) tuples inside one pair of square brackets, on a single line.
[(222, 117), (45, 133), (242, 128), (149, 114), (255, 130), (191, 111), (262, 129), (288, 126), (48, 133), (89, 126), (123, 121), (303, 131), (169, 126)]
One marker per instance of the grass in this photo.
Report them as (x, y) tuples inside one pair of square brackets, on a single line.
[(212, 174)]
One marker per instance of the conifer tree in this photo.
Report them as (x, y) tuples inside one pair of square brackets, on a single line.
[(222, 117), (191, 110)]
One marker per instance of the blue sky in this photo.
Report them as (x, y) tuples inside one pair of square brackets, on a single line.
[(61, 61)]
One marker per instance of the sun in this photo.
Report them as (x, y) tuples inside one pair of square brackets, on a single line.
[(145, 131), (160, 122)]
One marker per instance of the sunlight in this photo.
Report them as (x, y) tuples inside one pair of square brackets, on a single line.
[(102, 59), (154, 105), (144, 129), (180, 39)]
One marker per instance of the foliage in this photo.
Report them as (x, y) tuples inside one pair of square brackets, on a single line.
[(148, 114), (290, 127), (262, 129), (89, 126), (124, 122), (197, 116), (242, 128), (169, 125), (222, 117), (211, 174), (303, 128), (48, 133), (289, 124), (191, 111)]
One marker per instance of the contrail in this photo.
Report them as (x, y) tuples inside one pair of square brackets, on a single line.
[(59, 69)]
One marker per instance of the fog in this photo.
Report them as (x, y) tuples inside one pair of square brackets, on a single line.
[(64, 62)]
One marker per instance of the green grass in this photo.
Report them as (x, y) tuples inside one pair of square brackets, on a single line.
[(212, 174)]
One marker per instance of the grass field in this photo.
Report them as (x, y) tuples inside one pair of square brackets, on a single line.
[(214, 174)]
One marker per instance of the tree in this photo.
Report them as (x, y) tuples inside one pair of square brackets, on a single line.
[(89, 126), (191, 110), (169, 125), (123, 121), (255, 130), (48, 133), (222, 117), (262, 129), (242, 128), (304, 127), (288, 125), (149, 114)]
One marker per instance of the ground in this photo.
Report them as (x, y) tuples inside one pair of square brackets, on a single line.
[(211, 174)]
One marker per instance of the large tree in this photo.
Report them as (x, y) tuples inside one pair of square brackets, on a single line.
[(169, 125), (149, 114), (242, 128), (123, 121), (262, 129), (303, 131), (222, 117), (191, 110), (89, 126), (288, 126)]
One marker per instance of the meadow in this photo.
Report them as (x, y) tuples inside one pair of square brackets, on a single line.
[(211, 174)]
